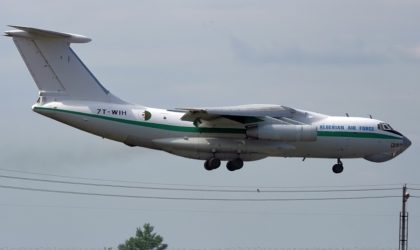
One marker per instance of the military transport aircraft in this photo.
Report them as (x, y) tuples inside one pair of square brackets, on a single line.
[(70, 93)]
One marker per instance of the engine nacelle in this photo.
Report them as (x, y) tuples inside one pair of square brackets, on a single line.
[(279, 132)]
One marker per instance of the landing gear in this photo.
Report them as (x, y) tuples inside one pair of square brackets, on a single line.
[(232, 165), (235, 164), (212, 163), (338, 168)]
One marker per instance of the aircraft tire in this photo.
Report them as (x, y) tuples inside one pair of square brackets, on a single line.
[(337, 168), (211, 164), (235, 164), (214, 163), (206, 165), (229, 166)]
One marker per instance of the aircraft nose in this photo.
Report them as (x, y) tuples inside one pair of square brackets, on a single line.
[(406, 142)]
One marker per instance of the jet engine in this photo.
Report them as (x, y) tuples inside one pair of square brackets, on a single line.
[(280, 132)]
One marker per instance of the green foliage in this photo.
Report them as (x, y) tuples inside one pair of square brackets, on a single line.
[(144, 240)]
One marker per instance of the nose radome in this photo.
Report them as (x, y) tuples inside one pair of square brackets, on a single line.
[(406, 142)]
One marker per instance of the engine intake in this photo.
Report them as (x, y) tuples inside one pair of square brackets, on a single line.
[(279, 132)]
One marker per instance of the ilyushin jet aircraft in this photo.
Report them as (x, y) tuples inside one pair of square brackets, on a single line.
[(70, 93)]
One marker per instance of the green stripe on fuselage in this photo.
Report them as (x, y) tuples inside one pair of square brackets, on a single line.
[(152, 125), (177, 128), (368, 135)]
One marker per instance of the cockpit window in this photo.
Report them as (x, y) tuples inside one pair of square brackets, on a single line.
[(384, 126), (387, 127)]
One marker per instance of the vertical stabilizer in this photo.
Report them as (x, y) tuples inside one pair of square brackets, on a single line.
[(55, 67)]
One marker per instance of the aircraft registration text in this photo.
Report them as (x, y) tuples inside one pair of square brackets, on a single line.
[(111, 112)]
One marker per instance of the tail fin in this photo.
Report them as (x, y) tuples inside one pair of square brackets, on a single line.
[(55, 68)]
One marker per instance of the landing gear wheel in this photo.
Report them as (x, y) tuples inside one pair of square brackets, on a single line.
[(206, 166), (212, 163), (338, 168), (235, 164)]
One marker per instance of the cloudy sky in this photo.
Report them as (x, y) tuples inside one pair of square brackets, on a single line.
[(333, 57)]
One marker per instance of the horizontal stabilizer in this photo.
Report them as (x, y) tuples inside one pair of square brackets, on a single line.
[(34, 33)]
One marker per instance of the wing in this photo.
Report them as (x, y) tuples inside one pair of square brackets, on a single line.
[(244, 114)]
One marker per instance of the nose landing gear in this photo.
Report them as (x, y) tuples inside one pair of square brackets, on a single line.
[(338, 168)]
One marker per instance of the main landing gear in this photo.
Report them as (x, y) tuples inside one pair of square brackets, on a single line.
[(338, 168), (212, 163), (235, 164), (231, 165)]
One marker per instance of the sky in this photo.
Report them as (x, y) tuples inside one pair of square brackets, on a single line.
[(332, 57)]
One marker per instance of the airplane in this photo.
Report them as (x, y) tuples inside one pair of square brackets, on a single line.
[(71, 94)]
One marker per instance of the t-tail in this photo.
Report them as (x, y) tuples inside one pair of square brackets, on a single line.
[(56, 69)]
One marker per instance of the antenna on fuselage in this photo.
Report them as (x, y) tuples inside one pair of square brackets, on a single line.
[(347, 114), (370, 116)]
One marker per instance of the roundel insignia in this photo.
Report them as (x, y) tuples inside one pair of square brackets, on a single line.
[(146, 115)]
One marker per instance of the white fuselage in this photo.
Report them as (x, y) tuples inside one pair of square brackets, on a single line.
[(337, 137)]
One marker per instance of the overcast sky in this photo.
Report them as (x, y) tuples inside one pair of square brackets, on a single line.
[(333, 57)]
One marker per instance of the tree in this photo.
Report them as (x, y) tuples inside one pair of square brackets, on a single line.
[(144, 240)]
